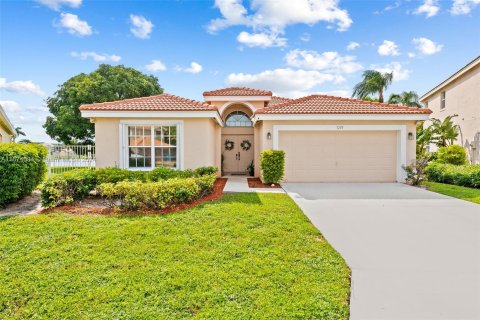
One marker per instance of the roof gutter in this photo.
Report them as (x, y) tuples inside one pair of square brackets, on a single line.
[(384, 117)]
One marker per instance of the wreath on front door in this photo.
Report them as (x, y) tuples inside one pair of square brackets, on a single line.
[(229, 145), (246, 145)]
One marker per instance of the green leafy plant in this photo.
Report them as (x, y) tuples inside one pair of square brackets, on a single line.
[(251, 169), (115, 175), (22, 168), (373, 82), (453, 154), (444, 133), (272, 163), (465, 175), (406, 98)]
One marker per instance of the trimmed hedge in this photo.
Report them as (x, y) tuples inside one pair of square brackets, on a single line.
[(272, 163), (22, 168), (453, 154), (76, 184), (466, 175)]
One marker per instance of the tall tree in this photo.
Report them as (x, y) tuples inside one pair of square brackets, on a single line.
[(18, 132), (107, 83), (406, 98), (374, 82), (444, 133)]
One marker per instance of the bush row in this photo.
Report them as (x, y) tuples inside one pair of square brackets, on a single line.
[(134, 195), (22, 168), (465, 175), (76, 184)]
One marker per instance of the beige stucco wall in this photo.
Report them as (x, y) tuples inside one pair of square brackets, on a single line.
[(410, 125), (462, 97), (5, 136), (201, 142)]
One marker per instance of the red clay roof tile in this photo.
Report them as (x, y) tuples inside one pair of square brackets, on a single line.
[(162, 102), (323, 104), (237, 91)]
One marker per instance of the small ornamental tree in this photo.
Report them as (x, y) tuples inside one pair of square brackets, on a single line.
[(272, 163)]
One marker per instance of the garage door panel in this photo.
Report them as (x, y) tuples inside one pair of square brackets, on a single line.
[(330, 156)]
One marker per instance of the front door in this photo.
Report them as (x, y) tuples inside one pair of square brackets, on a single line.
[(237, 151)]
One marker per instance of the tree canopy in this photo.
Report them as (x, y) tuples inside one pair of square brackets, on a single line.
[(406, 98), (107, 83), (374, 82)]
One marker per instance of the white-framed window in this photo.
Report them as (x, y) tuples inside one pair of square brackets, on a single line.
[(442, 100), (147, 146), (238, 119)]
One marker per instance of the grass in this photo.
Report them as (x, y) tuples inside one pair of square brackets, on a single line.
[(246, 256), (464, 193)]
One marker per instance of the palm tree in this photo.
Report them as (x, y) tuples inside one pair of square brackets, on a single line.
[(424, 138), (406, 98), (374, 82), (18, 132), (444, 133)]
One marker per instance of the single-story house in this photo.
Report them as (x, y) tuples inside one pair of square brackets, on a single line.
[(7, 130), (325, 138), (459, 95)]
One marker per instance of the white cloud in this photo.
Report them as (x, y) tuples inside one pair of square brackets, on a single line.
[(96, 56), (141, 27), (10, 105), (427, 46), (286, 82), (305, 37), (352, 45), (57, 4), (263, 40), (21, 87), (276, 15), (156, 66), (330, 62), (194, 68), (429, 7), (463, 6), (399, 72), (411, 54), (388, 48), (74, 25)]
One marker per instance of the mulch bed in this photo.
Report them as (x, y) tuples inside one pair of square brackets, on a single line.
[(95, 205), (257, 183)]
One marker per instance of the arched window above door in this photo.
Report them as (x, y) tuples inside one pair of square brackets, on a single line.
[(238, 119)]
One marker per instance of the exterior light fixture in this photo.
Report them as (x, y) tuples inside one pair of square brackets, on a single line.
[(269, 136), (410, 136)]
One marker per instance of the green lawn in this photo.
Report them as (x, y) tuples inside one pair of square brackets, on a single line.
[(469, 194), (246, 256)]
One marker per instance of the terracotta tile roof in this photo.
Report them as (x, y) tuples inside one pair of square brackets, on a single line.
[(237, 91), (277, 100), (162, 102), (323, 104)]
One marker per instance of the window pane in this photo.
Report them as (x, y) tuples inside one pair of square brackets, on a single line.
[(238, 119)]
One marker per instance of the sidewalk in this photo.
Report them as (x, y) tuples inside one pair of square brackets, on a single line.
[(240, 184)]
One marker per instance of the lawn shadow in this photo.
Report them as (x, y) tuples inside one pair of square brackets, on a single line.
[(6, 217)]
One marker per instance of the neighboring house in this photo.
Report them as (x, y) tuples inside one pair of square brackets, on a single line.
[(326, 139), (7, 131), (460, 94)]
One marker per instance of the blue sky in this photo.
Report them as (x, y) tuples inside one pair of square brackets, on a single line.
[(289, 47)]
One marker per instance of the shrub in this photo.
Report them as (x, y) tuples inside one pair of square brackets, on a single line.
[(453, 154), (134, 195), (22, 168), (466, 175), (114, 175), (65, 188), (203, 171), (162, 173), (272, 163), (416, 171)]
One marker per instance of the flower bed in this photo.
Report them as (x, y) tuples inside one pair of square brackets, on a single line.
[(130, 190)]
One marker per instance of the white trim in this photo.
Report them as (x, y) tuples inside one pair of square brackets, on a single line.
[(7, 122), (237, 98), (401, 138), (152, 114), (261, 116), (232, 103), (123, 136)]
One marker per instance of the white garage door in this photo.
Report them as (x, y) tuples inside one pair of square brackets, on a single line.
[(332, 156)]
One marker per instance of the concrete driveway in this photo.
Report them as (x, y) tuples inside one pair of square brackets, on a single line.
[(414, 254)]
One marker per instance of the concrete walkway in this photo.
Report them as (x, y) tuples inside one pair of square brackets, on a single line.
[(28, 205), (414, 254), (240, 184)]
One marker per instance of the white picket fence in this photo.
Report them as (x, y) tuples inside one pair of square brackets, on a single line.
[(62, 158)]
